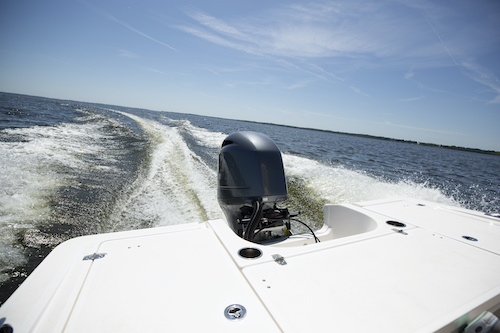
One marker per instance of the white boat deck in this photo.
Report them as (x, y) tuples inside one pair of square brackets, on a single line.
[(364, 275)]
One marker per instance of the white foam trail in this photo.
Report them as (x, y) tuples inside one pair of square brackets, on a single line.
[(177, 186), (29, 167), (34, 167), (339, 185), (166, 199), (205, 137)]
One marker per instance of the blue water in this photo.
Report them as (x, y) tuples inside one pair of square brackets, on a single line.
[(72, 168)]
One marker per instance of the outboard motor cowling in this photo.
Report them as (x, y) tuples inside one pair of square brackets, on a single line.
[(251, 181)]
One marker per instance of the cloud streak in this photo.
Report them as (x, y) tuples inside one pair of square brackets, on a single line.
[(297, 37), (318, 30), (359, 92), (469, 68), (114, 19), (127, 54), (484, 77), (249, 83), (352, 34), (410, 99), (110, 17)]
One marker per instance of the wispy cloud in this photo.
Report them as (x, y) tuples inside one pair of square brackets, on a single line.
[(352, 34), (299, 37), (154, 70), (438, 35), (484, 77), (299, 84), (321, 70), (214, 38), (127, 54), (411, 99), (326, 29), (288, 64), (213, 71), (112, 18), (217, 25), (219, 71), (445, 92), (358, 91), (469, 68), (434, 90), (409, 74), (249, 83)]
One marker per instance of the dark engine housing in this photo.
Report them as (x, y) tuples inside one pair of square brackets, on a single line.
[(251, 180)]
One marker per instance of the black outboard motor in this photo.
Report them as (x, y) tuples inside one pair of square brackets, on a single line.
[(251, 182)]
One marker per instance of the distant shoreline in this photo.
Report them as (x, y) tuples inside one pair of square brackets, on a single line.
[(473, 150)]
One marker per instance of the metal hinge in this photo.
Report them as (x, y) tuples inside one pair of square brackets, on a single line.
[(279, 259), (94, 256), (399, 231)]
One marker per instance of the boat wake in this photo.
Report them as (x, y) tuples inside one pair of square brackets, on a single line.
[(111, 170), (173, 185)]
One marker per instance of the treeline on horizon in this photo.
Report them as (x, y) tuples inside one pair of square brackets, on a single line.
[(474, 150)]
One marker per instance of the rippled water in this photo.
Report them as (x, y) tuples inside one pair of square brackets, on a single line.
[(71, 169)]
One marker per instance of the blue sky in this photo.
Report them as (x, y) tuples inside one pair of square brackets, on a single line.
[(427, 71)]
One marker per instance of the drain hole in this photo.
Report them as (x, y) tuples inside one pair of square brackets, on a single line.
[(396, 224), (250, 253)]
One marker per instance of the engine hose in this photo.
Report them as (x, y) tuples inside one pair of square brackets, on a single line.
[(254, 220)]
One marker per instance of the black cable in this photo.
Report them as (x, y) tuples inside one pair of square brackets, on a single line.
[(254, 220), (312, 232)]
